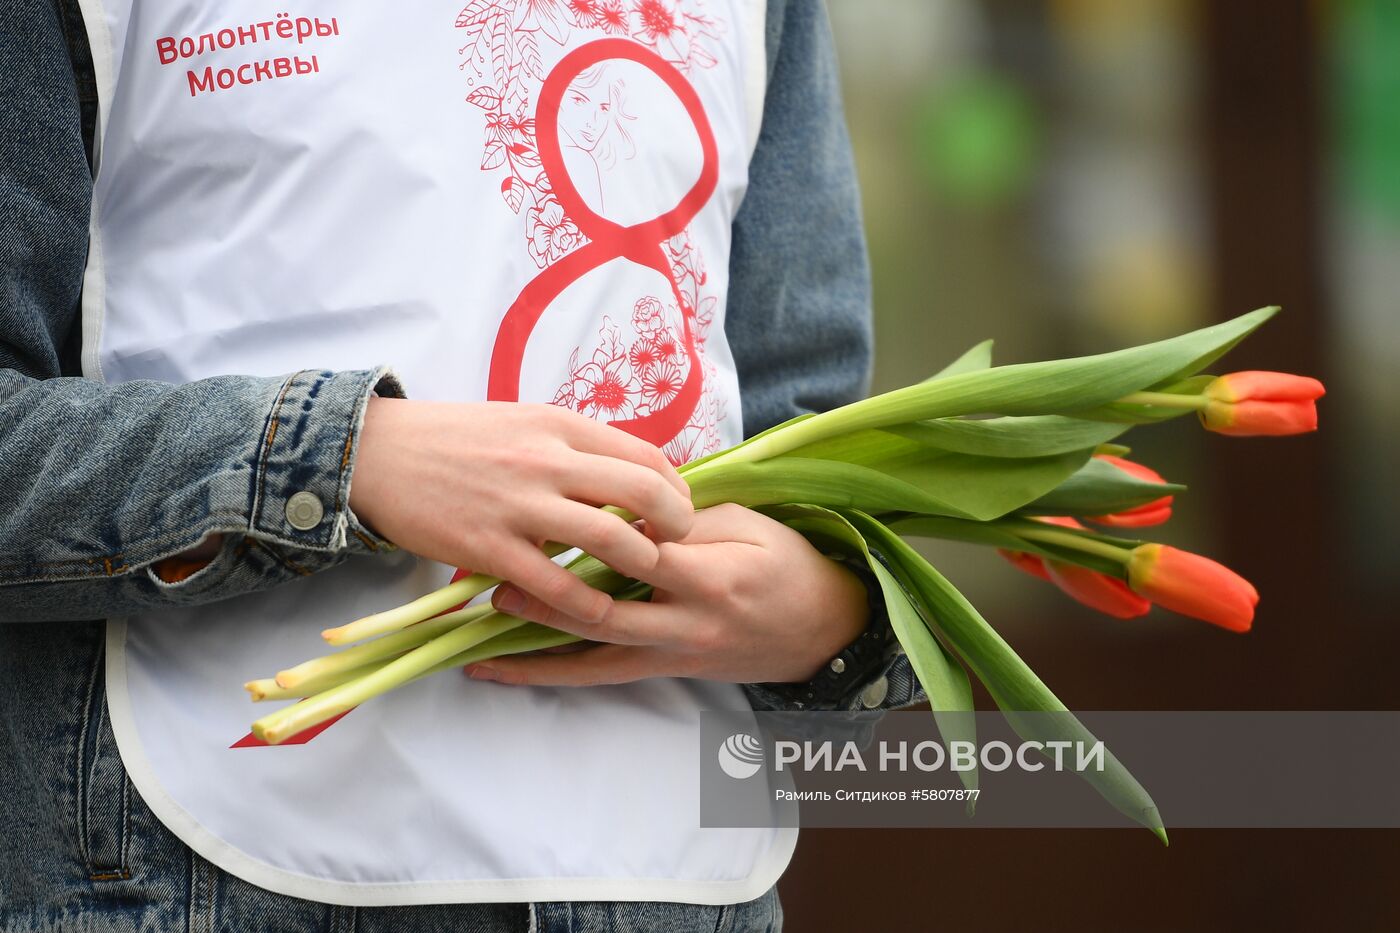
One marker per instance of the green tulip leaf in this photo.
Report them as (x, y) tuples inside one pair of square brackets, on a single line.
[(1032, 436), (944, 681), (1053, 387), (1100, 488), (979, 488), (985, 488), (974, 359), (1012, 684)]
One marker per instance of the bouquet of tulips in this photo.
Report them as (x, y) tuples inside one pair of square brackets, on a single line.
[(1005, 456)]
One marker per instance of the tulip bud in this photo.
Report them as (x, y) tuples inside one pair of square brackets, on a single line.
[(1192, 585), (1255, 403), (1030, 563), (1149, 513), (1093, 589), (1097, 590)]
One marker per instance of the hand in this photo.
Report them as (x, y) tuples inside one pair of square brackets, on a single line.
[(484, 485), (741, 598)]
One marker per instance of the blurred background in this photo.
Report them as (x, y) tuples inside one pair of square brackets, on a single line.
[(1071, 176)]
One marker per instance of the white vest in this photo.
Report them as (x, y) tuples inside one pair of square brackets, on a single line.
[(521, 199)]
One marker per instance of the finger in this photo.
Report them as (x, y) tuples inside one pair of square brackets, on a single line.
[(604, 535), (645, 493), (682, 568), (540, 577), (627, 623), (589, 436), (689, 572), (606, 664), (571, 648), (728, 522)]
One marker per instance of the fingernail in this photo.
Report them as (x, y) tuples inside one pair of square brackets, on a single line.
[(510, 600), (479, 672)]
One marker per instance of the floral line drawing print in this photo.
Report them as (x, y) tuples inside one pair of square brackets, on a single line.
[(629, 377), (625, 381), (621, 380), (552, 234)]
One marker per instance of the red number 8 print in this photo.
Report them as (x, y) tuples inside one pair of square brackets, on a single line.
[(640, 243)]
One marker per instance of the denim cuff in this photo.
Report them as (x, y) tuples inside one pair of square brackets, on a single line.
[(266, 463), (306, 458), (891, 686)]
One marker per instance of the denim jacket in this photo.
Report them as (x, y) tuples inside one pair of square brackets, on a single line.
[(99, 482)]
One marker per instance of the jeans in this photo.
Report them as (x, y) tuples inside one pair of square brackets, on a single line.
[(84, 854)]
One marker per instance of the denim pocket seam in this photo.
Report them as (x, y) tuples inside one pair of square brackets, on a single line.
[(90, 752), (80, 816)]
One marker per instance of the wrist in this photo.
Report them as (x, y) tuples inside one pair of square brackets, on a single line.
[(366, 494), (851, 609), (849, 668)]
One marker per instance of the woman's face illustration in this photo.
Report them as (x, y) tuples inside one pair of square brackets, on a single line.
[(585, 114)]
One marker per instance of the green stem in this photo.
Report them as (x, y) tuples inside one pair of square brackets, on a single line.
[(440, 600), (270, 689), (530, 638), (1072, 541), (424, 607), (516, 641), (290, 720), (387, 646), (514, 638), (1166, 400)]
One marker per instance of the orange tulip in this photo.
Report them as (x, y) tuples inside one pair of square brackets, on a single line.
[(1030, 563), (1093, 589), (1097, 590), (1254, 403), (1192, 585), (1139, 516)]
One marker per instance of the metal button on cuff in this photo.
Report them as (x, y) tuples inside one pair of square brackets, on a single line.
[(872, 696), (304, 511)]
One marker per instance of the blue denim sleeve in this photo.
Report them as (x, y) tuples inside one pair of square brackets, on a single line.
[(799, 317), (798, 320), (99, 482)]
